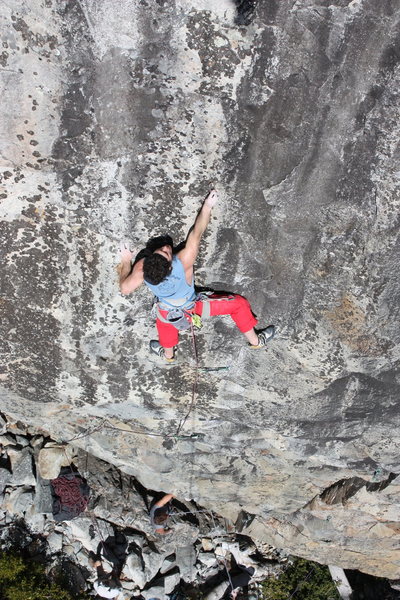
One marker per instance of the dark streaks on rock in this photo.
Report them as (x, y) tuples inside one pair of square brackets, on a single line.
[(245, 10), (342, 490), (72, 148), (292, 113)]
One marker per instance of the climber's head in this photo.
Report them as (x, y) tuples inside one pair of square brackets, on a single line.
[(157, 266), (157, 263), (160, 519), (165, 251)]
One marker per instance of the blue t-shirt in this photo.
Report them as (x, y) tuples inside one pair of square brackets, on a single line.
[(174, 289)]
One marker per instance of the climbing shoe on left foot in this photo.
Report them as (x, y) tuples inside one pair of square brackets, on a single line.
[(156, 347), (264, 337)]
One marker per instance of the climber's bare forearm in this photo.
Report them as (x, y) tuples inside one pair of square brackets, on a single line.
[(189, 254), (164, 500), (130, 279)]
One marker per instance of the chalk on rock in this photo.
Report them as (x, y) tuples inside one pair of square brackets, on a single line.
[(68, 549), (83, 530), (207, 559), (130, 586)]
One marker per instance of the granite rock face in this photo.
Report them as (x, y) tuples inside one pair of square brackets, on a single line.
[(119, 117), (197, 552)]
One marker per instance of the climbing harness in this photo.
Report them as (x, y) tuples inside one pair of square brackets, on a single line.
[(181, 317)]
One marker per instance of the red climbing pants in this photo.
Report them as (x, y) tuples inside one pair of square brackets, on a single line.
[(220, 304)]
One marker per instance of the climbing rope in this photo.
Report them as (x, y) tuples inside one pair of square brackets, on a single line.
[(195, 381), (301, 583), (223, 558), (105, 425)]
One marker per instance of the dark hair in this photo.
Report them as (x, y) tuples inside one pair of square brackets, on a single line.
[(158, 242), (155, 268), (159, 519)]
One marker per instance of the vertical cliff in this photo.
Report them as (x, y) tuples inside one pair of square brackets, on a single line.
[(116, 119)]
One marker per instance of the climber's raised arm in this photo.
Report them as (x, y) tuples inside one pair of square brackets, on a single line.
[(129, 278), (164, 500), (189, 253)]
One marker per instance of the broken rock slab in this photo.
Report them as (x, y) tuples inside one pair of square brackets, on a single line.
[(3, 425), (171, 581), (35, 521), (153, 562), (186, 559), (22, 440), (208, 559), (7, 440), (133, 570), (154, 593), (43, 497), (5, 477), (55, 542), (52, 457), (18, 501), (207, 544), (89, 533), (22, 467)]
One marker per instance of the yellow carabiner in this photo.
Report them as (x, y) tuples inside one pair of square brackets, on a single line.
[(196, 320)]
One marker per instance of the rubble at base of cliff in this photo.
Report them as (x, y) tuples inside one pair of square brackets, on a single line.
[(197, 551)]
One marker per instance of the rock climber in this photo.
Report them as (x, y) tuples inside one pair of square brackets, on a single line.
[(110, 552), (159, 514), (238, 578), (170, 277)]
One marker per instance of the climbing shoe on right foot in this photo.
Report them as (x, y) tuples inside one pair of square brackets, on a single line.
[(264, 337), (156, 347)]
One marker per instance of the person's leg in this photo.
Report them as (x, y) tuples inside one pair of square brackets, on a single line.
[(111, 556), (168, 336), (238, 308)]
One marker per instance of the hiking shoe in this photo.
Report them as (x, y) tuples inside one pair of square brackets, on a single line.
[(156, 347), (264, 337)]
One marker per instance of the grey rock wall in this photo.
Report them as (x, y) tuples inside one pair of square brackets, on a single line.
[(198, 551), (118, 118)]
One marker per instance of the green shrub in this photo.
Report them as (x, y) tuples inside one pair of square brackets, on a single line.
[(28, 590), (11, 566), (23, 579), (304, 580)]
